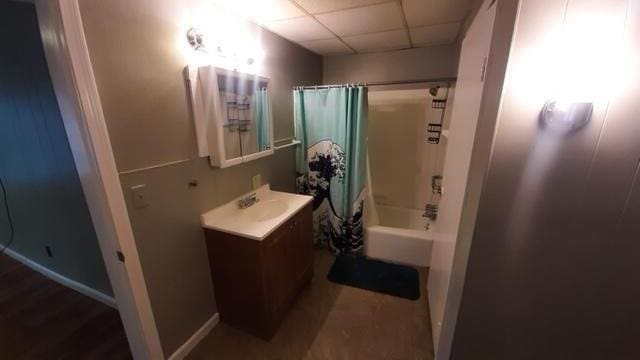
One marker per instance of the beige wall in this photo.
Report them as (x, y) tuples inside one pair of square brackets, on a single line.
[(134, 48), (411, 64), (170, 240), (554, 254)]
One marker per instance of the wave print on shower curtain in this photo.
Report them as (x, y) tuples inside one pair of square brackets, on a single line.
[(331, 125)]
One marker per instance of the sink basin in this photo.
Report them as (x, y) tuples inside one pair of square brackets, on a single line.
[(265, 210), (256, 222)]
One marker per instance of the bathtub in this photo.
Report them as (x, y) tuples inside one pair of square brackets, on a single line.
[(398, 235)]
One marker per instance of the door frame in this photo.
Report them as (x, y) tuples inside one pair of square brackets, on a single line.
[(77, 94)]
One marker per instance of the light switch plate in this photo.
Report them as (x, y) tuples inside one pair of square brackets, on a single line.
[(256, 181), (139, 196)]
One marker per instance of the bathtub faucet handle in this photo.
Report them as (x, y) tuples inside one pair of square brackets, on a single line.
[(430, 211)]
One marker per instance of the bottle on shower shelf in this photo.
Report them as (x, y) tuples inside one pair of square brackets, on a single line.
[(431, 208)]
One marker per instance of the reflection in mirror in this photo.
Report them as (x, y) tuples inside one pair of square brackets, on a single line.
[(258, 138), (246, 112), (232, 113)]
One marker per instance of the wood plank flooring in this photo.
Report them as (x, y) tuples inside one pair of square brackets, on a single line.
[(332, 321), (41, 319)]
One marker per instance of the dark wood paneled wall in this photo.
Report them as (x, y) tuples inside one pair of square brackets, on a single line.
[(44, 192)]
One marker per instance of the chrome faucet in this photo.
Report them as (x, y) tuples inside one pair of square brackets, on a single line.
[(247, 201)]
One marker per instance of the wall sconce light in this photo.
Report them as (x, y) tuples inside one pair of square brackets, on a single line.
[(565, 117)]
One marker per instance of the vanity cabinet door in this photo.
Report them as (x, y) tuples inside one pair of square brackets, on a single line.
[(256, 282), (302, 247), (277, 257)]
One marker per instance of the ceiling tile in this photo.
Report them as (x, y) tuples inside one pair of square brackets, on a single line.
[(432, 12), (435, 34), (375, 18), (262, 11), (327, 47), (382, 41), (300, 29), (320, 6)]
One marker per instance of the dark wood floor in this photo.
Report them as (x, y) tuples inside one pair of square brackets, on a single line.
[(334, 322), (41, 319)]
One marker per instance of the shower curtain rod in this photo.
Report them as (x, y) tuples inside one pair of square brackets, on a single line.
[(380, 83)]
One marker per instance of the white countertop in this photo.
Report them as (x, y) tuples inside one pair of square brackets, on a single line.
[(257, 222)]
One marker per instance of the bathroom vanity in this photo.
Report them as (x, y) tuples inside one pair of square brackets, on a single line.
[(260, 257)]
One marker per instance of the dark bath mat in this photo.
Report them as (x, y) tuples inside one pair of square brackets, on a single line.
[(375, 275)]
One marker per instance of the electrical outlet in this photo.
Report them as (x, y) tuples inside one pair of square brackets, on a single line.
[(256, 181), (139, 196)]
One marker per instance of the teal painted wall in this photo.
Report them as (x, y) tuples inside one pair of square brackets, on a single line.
[(44, 192)]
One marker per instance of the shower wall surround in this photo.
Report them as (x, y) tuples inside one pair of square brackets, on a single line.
[(402, 161), (135, 52)]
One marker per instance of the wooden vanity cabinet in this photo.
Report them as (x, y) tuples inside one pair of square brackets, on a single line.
[(255, 281)]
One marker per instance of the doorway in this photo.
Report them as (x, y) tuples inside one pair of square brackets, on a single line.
[(53, 279)]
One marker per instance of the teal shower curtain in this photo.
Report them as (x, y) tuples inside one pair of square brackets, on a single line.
[(331, 124)]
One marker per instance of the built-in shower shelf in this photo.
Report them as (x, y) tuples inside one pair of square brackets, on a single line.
[(434, 130)]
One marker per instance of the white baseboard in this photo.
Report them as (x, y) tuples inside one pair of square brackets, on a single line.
[(81, 288), (186, 348)]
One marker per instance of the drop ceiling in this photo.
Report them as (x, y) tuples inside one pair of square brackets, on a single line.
[(337, 27)]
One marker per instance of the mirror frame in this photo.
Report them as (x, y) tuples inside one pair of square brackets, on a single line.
[(209, 120)]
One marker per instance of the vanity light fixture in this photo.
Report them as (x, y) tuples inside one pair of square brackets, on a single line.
[(195, 37)]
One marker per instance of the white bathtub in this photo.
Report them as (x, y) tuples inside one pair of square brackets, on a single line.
[(399, 235)]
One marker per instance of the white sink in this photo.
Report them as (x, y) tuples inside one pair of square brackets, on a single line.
[(265, 210), (257, 221)]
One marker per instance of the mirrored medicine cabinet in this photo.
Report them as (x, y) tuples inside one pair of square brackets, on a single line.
[(232, 115)]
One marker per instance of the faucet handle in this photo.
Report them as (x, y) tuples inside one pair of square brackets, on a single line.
[(248, 200)]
